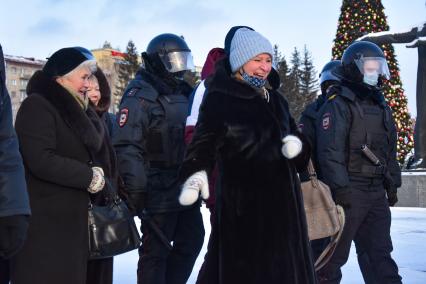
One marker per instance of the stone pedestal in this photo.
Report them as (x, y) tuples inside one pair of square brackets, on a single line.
[(412, 193)]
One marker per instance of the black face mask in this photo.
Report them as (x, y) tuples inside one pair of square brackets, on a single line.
[(154, 65), (364, 92), (179, 75)]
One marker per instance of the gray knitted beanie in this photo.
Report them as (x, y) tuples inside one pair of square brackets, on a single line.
[(245, 45)]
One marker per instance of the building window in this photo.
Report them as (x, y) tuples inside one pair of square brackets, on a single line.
[(13, 82), (23, 95), (13, 94), (24, 83), (13, 70)]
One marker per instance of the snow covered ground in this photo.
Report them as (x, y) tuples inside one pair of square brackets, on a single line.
[(408, 235)]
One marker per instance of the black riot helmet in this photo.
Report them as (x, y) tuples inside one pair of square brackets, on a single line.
[(173, 52), (364, 62), (330, 74)]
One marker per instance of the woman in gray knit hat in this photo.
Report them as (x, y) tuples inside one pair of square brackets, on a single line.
[(244, 124)]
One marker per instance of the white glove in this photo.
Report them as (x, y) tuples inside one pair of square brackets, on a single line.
[(193, 186), (98, 180), (292, 146)]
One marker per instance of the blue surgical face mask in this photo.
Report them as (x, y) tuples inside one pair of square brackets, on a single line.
[(371, 78), (254, 81)]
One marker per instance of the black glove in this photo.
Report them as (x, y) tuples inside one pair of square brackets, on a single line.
[(343, 198), (13, 232), (391, 193), (136, 202)]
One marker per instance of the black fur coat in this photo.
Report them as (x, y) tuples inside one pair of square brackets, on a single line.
[(59, 142), (260, 235)]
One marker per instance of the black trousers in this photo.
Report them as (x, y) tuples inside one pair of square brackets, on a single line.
[(160, 265), (364, 261), (368, 224), (318, 246), (4, 271), (99, 271)]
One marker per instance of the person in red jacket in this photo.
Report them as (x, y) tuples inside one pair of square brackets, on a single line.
[(196, 99)]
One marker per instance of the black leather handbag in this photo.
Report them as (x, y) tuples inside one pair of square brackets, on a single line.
[(112, 228)]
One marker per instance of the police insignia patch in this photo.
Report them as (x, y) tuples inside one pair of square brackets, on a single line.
[(326, 121), (122, 118)]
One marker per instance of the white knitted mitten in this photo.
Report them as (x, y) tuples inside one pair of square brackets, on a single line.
[(194, 186), (98, 180), (292, 146)]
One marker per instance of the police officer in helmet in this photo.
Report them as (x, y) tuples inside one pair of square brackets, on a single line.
[(329, 83), (149, 143), (356, 152)]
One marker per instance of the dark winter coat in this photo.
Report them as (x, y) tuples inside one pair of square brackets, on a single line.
[(149, 141), (13, 190), (415, 37), (307, 125), (59, 142), (342, 165), (260, 234)]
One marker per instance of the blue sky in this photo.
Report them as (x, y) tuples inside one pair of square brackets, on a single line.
[(39, 27)]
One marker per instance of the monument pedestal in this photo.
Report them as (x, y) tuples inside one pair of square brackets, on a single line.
[(412, 193)]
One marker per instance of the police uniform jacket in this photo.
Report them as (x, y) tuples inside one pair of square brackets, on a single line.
[(307, 124), (149, 139), (347, 121)]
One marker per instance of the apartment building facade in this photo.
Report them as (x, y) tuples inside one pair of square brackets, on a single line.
[(19, 70)]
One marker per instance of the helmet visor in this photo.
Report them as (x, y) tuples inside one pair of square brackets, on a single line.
[(177, 61), (368, 65), (328, 75)]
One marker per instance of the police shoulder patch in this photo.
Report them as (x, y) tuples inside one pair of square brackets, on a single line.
[(122, 118), (132, 92), (326, 121)]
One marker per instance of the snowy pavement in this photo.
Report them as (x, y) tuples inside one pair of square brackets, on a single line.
[(408, 235)]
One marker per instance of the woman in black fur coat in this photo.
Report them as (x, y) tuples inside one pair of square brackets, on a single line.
[(67, 156), (260, 233)]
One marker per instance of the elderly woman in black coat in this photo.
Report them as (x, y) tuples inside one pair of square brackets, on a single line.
[(260, 232), (67, 156)]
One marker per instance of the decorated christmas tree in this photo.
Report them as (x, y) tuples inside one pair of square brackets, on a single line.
[(358, 18)]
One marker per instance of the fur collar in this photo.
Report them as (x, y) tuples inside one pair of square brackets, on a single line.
[(86, 125)]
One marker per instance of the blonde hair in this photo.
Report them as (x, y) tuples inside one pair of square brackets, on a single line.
[(93, 79)]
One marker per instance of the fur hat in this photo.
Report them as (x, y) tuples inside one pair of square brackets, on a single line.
[(245, 45), (65, 60)]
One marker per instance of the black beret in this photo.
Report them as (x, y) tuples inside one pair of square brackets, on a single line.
[(65, 60)]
